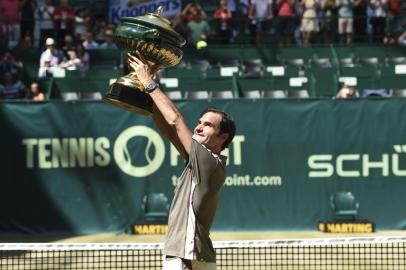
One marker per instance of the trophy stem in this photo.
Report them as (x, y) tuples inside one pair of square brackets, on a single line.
[(128, 93)]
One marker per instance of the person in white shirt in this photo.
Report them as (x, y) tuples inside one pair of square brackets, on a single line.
[(378, 20), (45, 16), (260, 13), (48, 58), (73, 63), (345, 20), (82, 22)]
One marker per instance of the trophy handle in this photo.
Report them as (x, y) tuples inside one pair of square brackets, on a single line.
[(151, 33)]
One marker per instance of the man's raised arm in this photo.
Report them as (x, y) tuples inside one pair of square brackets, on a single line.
[(166, 115)]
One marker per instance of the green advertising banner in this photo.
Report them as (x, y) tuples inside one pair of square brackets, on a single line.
[(85, 167)]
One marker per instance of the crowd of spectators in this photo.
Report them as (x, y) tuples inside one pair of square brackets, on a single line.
[(289, 21), (67, 33), (300, 22), (19, 18)]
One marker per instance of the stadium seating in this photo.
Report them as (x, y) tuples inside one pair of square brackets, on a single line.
[(252, 88), (344, 205), (62, 86), (155, 207), (213, 87), (225, 71), (325, 79), (274, 94), (192, 72), (107, 58)]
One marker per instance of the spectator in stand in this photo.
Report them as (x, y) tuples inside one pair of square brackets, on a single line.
[(34, 92), (346, 92), (231, 6), (10, 89), (26, 42), (84, 56), (328, 23), (260, 14), (73, 62), (345, 20), (240, 20), (27, 21), (9, 64), (190, 11), (82, 23), (89, 43), (68, 44), (360, 8), (286, 21), (378, 19), (402, 39), (64, 18), (199, 28), (99, 29), (46, 24), (10, 13), (109, 40), (310, 23), (179, 25), (49, 58), (395, 14), (223, 19)]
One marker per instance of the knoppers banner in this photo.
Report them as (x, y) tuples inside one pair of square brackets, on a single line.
[(133, 8)]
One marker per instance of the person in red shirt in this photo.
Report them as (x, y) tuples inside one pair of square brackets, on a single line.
[(10, 12), (64, 18), (395, 14), (286, 21), (223, 18)]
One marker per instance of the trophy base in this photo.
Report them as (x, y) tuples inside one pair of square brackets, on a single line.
[(129, 98)]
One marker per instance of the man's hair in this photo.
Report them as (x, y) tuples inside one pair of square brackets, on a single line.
[(227, 125)]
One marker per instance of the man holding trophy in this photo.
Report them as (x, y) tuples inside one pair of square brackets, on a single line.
[(187, 244)]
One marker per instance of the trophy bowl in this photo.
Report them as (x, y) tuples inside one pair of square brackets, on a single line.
[(152, 36)]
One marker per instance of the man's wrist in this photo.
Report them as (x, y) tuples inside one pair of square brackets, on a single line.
[(150, 86)]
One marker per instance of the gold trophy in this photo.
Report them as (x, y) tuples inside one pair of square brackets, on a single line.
[(153, 37)]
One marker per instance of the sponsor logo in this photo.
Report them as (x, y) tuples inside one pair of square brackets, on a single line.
[(88, 152), (358, 165), (139, 8), (150, 229), (347, 227), (123, 157)]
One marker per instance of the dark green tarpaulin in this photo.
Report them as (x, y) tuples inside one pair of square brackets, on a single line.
[(84, 167)]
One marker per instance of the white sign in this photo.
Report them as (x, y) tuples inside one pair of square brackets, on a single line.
[(276, 70), (228, 71)]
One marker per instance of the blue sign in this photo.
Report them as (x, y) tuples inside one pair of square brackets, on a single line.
[(121, 8)]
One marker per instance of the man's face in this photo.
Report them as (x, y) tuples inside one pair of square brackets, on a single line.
[(207, 131)]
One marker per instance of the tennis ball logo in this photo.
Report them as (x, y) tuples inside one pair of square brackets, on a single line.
[(123, 157)]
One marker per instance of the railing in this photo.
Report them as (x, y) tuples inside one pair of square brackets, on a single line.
[(243, 32)]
